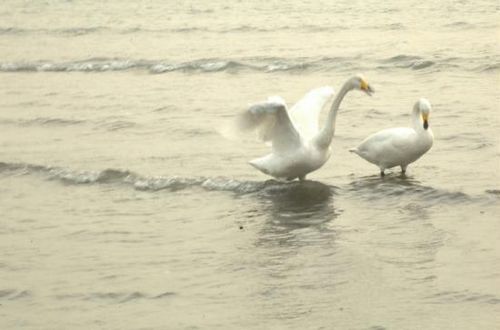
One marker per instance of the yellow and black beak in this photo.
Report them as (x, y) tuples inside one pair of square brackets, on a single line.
[(425, 118), (365, 87)]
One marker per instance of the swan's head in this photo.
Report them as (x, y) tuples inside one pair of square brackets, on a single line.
[(359, 82), (424, 108)]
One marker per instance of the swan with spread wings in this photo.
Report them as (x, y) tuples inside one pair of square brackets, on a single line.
[(299, 146)]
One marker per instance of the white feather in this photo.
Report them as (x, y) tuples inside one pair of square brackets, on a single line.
[(305, 113)]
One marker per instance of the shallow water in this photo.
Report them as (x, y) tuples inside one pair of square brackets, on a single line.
[(124, 207)]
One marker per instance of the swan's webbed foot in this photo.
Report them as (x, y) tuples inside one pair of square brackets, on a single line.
[(290, 178)]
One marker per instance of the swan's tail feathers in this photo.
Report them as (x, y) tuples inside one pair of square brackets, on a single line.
[(257, 163)]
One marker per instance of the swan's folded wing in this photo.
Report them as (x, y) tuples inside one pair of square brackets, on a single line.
[(272, 123), (305, 113), (388, 143)]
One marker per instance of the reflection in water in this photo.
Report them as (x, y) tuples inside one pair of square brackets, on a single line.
[(296, 214), (299, 204), (390, 180), (295, 250), (390, 188), (400, 223)]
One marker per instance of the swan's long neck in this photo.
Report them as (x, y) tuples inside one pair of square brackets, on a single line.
[(325, 136), (415, 119)]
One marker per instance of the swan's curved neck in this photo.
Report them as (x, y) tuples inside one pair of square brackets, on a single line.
[(415, 119), (325, 136)]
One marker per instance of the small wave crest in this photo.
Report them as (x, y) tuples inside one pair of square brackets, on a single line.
[(124, 297), (488, 68), (494, 192), (115, 297), (43, 121), (407, 61), (460, 25), (202, 65), (390, 188), (72, 31), (401, 58), (67, 175), (96, 65), (245, 28), (255, 64), (290, 196), (142, 183), (79, 177), (14, 294), (90, 65), (483, 64), (463, 297)]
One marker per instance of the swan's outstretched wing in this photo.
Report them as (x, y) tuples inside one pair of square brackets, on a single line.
[(305, 113), (273, 124)]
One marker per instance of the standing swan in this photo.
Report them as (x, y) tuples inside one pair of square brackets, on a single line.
[(399, 146), (298, 146)]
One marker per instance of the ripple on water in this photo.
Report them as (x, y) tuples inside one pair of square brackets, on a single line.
[(462, 297), (391, 187), (495, 192), (14, 294), (115, 297), (43, 121)]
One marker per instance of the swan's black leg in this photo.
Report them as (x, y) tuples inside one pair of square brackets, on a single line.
[(382, 174), (302, 178)]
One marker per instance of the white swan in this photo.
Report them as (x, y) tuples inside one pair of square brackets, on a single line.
[(402, 145), (298, 146)]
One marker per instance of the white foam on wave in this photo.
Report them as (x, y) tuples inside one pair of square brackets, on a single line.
[(371, 188), (258, 64)]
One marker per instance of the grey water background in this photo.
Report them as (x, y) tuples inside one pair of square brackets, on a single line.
[(122, 206)]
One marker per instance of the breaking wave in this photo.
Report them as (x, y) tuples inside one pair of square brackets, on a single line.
[(371, 187), (138, 182), (154, 67), (259, 64)]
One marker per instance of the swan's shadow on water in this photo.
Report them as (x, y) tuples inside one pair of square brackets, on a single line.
[(296, 204), (388, 181), (394, 187)]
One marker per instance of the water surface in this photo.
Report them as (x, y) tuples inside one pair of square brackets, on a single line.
[(124, 207)]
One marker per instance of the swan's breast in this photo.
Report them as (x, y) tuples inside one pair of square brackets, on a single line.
[(294, 164)]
